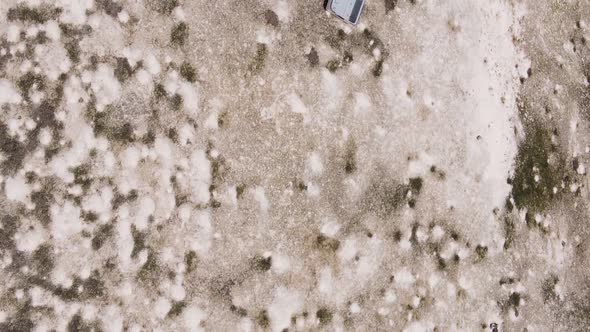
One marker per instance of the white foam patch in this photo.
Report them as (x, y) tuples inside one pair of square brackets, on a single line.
[(74, 11), (177, 292), (13, 33), (40, 297), (152, 64), (29, 240), (280, 263), (296, 104), (45, 136), (145, 210), (314, 163), (192, 317), (186, 134), (65, 221), (313, 190), (285, 303), (404, 278), (202, 241), (330, 228), (348, 250), (82, 137), (52, 30), (260, 197), (74, 91), (123, 16), (53, 60), (8, 94), (105, 86), (212, 121), (325, 282), (130, 157), (17, 189), (112, 319), (245, 325), (362, 103), (124, 238), (200, 177), (132, 55), (162, 307), (282, 10), (143, 77), (100, 203), (190, 98)]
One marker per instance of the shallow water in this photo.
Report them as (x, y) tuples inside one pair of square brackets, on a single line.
[(253, 165)]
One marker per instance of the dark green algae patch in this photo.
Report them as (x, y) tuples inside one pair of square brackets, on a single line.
[(539, 167)]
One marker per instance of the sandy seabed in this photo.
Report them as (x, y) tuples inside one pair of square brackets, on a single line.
[(257, 165)]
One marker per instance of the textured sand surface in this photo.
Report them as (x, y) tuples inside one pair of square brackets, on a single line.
[(257, 165)]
